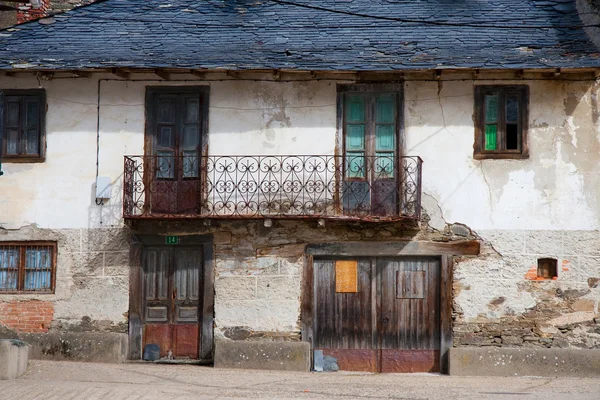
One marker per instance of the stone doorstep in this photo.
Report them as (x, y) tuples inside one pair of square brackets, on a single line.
[(496, 361), (14, 355), (279, 356), (105, 347)]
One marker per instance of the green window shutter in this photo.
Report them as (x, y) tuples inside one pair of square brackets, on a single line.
[(355, 109), (385, 134), (491, 122), (491, 135), (386, 109)]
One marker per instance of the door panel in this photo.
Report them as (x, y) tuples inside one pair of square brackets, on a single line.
[(172, 281), (175, 175), (343, 320), (410, 319), (390, 324)]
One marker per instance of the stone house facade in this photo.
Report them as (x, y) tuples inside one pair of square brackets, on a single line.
[(396, 197)]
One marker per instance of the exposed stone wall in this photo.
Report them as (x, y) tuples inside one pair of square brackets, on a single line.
[(92, 284), (258, 270), (497, 301)]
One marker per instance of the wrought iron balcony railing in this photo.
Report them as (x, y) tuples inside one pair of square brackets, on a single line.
[(383, 187)]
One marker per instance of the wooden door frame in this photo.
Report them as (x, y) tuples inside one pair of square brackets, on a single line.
[(444, 250), (206, 344)]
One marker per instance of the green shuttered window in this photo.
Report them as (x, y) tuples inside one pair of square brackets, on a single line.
[(370, 131), (501, 122)]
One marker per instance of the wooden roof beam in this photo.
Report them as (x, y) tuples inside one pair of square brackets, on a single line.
[(162, 74), (120, 73)]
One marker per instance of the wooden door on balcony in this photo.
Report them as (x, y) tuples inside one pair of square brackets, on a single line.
[(172, 293), (176, 186), (371, 120), (379, 314)]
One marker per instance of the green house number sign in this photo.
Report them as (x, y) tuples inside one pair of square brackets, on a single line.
[(172, 240)]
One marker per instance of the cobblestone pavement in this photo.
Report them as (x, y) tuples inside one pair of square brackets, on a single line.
[(68, 380)]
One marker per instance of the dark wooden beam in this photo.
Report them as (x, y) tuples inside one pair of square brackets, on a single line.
[(162, 74), (412, 248), (197, 73), (120, 73), (81, 74)]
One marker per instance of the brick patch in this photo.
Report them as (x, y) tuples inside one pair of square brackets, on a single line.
[(30, 316)]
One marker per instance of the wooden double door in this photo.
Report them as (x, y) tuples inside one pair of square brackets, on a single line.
[(379, 314), (172, 282)]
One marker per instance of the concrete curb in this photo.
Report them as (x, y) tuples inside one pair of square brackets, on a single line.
[(279, 356), (494, 361), (14, 355)]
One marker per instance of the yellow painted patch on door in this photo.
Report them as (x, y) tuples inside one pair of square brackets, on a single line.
[(346, 276)]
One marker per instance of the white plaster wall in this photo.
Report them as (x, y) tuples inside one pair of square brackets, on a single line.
[(556, 188), (255, 118)]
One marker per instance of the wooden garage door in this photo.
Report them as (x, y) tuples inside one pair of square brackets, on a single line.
[(379, 314)]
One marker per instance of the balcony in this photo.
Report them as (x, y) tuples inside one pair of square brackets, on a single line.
[(381, 188)]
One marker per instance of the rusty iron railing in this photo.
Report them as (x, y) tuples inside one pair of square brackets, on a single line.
[(382, 187)]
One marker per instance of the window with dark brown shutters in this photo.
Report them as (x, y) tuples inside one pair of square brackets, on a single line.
[(23, 134), (501, 114)]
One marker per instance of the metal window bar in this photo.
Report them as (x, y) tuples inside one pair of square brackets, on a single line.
[(275, 187), (26, 268)]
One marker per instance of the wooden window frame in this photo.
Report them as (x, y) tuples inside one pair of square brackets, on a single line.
[(24, 158), (479, 152), (150, 144), (370, 89), (22, 246)]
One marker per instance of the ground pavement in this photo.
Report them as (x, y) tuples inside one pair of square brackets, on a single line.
[(69, 380)]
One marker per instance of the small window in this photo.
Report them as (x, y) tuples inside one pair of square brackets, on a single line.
[(22, 130), (501, 122), (547, 268), (27, 267)]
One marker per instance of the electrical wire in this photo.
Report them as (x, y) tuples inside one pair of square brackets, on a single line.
[(425, 22), (417, 21)]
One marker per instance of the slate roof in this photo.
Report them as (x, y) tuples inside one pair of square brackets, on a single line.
[(257, 34)]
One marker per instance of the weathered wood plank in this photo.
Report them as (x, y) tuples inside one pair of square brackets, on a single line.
[(208, 312), (306, 312), (135, 302), (446, 310), (412, 248)]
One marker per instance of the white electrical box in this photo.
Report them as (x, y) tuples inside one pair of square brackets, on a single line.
[(103, 187)]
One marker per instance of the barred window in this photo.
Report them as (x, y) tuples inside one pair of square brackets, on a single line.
[(27, 267)]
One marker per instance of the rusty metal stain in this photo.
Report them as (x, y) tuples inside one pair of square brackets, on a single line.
[(346, 276), (410, 361), (354, 359)]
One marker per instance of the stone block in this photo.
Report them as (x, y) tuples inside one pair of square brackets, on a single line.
[(585, 243), (14, 355), (505, 241), (85, 264), (236, 288), (279, 356), (490, 268), (288, 251), (290, 268), (106, 239), (279, 287), (258, 315), (516, 266), (555, 362), (587, 267), (544, 242), (583, 305), (70, 240), (84, 346), (222, 238)]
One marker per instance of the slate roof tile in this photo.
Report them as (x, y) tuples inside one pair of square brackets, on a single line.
[(247, 34)]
